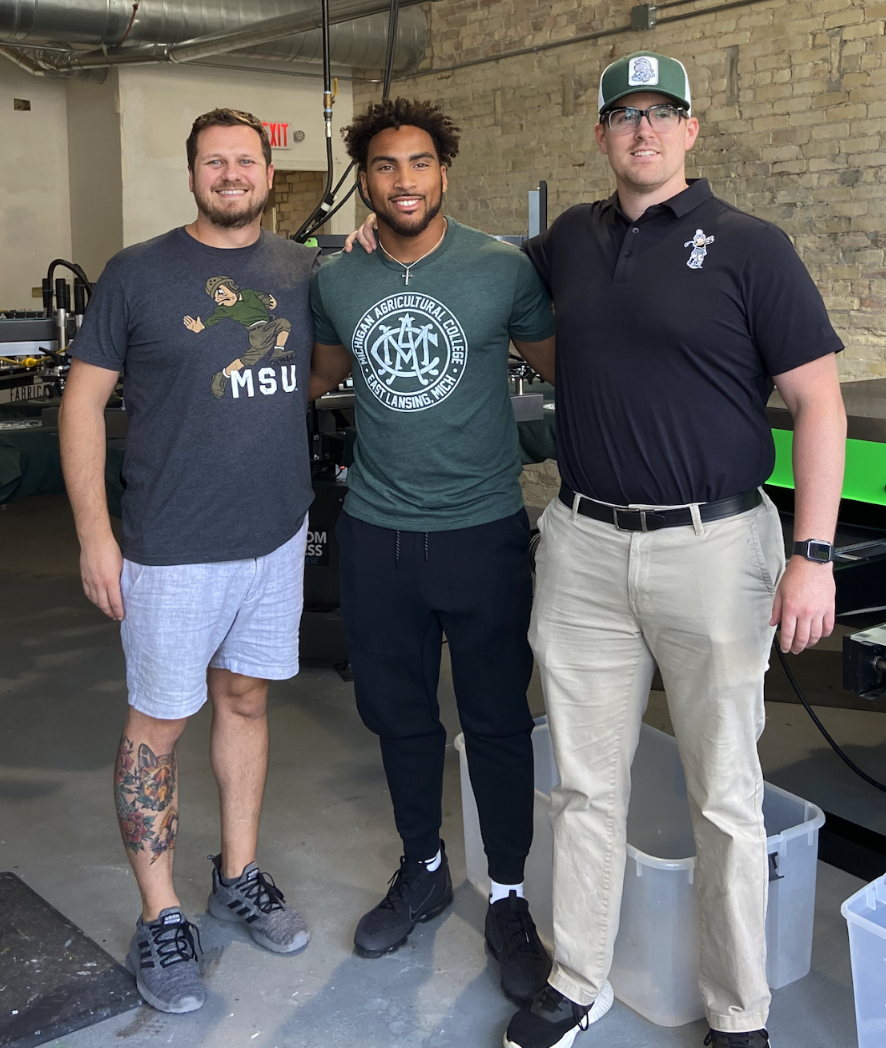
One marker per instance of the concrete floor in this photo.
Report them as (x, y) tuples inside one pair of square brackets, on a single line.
[(327, 837)]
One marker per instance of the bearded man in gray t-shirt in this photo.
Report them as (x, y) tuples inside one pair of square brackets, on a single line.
[(208, 584)]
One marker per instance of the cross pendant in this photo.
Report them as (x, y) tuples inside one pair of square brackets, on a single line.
[(406, 276)]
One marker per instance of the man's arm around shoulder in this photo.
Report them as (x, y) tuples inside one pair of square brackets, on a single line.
[(539, 356), (804, 601), (82, 440), (330, 365)]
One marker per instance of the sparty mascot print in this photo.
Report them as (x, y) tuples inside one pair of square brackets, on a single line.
[(251, 309)]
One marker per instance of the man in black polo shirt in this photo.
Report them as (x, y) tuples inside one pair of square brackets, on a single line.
[(675, 314)]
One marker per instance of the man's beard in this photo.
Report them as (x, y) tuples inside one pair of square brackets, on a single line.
[(225, 218), (402, 230)]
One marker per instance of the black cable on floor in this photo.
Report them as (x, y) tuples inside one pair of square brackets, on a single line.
[(834, 746)]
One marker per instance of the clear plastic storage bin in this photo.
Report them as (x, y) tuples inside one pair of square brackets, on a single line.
[(865, 913), (655, 968)]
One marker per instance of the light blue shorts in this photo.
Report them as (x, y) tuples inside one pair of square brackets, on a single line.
[(238, 615)]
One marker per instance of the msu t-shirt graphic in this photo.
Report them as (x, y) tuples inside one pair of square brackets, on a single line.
[(436, 442), (264, 332), (215, 347)]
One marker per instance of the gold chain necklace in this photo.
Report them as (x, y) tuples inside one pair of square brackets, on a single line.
[(408, 265)]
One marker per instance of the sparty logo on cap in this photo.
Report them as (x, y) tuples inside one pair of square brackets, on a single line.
[(645, 71)]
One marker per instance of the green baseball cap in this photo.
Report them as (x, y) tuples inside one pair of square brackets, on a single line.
[(645, 71)]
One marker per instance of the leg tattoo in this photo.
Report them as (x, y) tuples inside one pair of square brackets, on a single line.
[(143, 784)]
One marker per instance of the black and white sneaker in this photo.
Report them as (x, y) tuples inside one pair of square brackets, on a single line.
[(552, 1020), (163, 959), (513, 941), (754, 1039), (415, 895)]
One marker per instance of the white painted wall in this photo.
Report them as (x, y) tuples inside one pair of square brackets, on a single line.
[(93, 168), (35, 217), (94, 164), (157, 106)]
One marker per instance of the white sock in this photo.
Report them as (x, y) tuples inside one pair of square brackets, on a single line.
[(433, 864), (502, 891)]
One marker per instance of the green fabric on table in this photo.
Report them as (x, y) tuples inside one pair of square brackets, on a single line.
[(30, 463), (27, 408), (10, 471)]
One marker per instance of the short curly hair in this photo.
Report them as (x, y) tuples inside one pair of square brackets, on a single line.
[(396, 113)]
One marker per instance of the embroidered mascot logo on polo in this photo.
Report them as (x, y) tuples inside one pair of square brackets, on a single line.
[(411, 350), (699, 244), (264, 332)]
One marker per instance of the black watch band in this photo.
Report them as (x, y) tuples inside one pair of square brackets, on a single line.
[(816, 550)]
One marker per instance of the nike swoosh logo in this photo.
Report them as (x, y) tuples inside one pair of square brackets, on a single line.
[(413, 913)]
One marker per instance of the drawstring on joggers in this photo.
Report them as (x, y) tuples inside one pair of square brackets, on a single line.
[(397, 548)]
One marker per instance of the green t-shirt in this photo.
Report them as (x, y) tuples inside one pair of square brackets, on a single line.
[(436, 438)]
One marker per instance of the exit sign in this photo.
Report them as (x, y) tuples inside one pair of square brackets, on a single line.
[(279, 135)]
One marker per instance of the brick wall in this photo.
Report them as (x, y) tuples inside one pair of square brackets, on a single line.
[(296, 194), (791, 95)]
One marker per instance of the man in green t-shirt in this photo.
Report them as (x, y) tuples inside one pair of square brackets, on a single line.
[(433, 536)]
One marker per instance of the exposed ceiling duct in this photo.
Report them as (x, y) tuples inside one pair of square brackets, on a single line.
[(98, 34)]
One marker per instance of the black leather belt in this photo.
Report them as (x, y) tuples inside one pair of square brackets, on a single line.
[(652, 520)]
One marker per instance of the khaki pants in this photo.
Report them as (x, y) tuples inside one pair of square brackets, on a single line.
[(609, 605)]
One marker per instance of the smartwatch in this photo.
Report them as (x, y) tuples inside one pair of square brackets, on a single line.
[(816, 550)]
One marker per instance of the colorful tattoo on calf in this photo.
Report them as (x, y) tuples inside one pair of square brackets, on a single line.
[(145, 783)]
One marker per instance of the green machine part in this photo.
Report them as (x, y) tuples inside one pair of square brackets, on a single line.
[(865, 476)]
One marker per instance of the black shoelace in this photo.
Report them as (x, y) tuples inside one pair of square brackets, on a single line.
[(263, 893), (551, 1000), (174, 942), (519, 928), (397, 886)]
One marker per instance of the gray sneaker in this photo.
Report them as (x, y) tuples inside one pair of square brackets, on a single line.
[(254, 900), (163, 959)]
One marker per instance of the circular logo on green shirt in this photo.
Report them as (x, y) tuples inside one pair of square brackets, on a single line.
[(411, 350)]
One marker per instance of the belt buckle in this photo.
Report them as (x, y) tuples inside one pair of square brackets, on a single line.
[(649, 519), (637, 512)]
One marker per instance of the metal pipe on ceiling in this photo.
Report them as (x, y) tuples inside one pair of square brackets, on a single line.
[(359, 44), (194, 29)]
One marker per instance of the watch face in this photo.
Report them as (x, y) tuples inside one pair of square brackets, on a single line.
[(818, 551)]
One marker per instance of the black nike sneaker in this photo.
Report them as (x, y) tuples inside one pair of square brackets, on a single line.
[(415, 895), (513, 941), (753, 1039)]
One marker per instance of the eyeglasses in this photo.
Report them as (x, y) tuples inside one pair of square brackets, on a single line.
[(662, 117)]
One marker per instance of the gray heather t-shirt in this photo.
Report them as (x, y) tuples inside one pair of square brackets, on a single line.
[(436, 442), (215, 469)]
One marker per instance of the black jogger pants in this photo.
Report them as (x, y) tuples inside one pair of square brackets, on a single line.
[(400, 592)]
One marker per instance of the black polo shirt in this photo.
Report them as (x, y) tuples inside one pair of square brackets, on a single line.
[(668, 332)]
